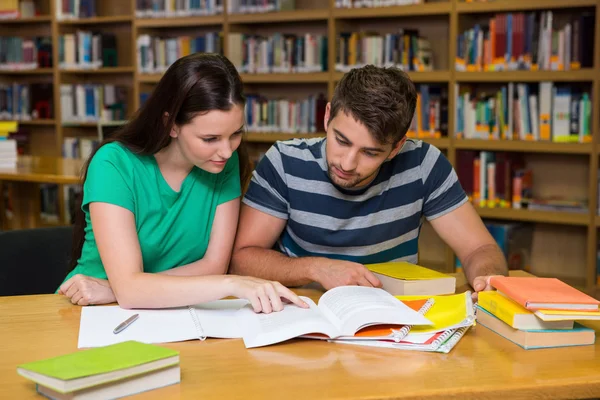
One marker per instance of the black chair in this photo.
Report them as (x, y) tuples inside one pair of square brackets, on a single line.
[(34, 261)]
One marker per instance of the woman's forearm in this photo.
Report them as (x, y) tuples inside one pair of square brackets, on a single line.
[(204, 266)]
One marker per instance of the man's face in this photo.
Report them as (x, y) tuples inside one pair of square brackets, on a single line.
[(353, 155)]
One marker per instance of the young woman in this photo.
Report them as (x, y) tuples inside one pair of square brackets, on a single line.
[(161, 199)]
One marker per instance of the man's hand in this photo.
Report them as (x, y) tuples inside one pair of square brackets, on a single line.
[(84, 290), (480, 284), (333, 273)]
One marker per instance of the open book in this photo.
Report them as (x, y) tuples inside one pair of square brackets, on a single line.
[(341, 311)]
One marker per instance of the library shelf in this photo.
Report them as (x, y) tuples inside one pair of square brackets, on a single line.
[(549, 217), (98, 71), (300, 77), (519, 5), (412, 10), (523, 146), (36, 71), (39, 122), (281, 16), (116, 19), (597, 220), (33, 20), (174, 22), (581, 75)]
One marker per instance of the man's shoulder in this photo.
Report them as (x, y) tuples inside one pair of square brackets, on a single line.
[(306, 149)]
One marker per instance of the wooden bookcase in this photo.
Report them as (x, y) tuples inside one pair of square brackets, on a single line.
[(565, 244)]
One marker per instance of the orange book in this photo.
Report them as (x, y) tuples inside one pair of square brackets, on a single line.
[(544, 293)]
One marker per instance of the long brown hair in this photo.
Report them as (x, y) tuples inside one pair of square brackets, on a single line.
[(192, 85)]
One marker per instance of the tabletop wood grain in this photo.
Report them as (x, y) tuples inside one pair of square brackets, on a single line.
[(482, 365)]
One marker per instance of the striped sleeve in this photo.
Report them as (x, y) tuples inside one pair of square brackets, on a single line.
[(267, 191), (443, 192)]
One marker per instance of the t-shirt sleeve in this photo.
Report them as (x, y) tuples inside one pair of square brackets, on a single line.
[(109, 179), (443, 192), (267, 191), (229, 186)]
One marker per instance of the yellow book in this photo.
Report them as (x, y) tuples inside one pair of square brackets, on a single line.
[(515, 315), (7, 127), (403, 278), (448, 312), (563, 315)]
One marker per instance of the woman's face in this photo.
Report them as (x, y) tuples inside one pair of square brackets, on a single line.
[(209, 139)]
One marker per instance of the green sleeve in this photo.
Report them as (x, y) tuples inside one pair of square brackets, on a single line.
[(230, 186), (109, 178)]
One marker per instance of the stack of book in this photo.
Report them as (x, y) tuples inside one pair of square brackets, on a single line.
[(106, 372), (537, 312)]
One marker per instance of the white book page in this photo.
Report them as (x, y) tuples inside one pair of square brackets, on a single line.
[(261, 329), (351, 308), (217, 318), (153, 326)]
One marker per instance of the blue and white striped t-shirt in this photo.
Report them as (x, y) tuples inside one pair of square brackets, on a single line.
[(378, 223)]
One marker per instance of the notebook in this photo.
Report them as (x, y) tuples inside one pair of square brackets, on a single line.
[(341, 311), (544, 293), (119, 370)]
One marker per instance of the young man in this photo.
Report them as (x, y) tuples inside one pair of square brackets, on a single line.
[(317, 210)]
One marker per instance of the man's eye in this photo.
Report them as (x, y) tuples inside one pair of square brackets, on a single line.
[(341, 142), (368, 154)]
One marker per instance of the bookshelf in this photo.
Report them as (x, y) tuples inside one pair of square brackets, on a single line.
[(572, 234)]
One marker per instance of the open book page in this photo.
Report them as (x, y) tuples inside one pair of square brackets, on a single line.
[(153, 326), (350, 308), (261, 329), (217, 318)]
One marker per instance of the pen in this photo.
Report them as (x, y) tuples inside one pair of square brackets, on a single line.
[(125, 323)]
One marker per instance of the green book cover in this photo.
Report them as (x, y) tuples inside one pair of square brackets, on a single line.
[(99, 360)]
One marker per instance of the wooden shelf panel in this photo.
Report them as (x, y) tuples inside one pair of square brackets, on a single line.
[(597, 220), (34, 20), (313, 77), (438, 8), (42, 122), (440, 143), (523, 146), (282, 16), (149, 78), (271, 137), (37, 71), (519, 5), (587, 74), (179, 21), (99, 71), (97, 20), (550, 217), (418, 77)]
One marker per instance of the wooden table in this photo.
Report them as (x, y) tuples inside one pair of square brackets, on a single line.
[(481, 366), (25, 179)]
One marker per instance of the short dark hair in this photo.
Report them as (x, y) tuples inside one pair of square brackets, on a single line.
[(382, 99)]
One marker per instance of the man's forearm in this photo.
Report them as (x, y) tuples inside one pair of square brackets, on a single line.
[(272, 265), (486, 260)]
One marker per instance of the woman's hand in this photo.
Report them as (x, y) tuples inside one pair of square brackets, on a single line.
[(265, 296), (85, 290)]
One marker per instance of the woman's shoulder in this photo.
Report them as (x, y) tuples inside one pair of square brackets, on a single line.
[(116, 154)]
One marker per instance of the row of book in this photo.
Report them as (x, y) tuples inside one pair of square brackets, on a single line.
[(278, 53), (430, 119), (25, 102), (93, 102), (503, 180), (527, 41), (259, 6), (75, 9), (87, 50), (548, 111), (537, 313), (156, 53), (22, 53), (405, 49), (177, 8), (287, 116), (374, 3), (13, 9)]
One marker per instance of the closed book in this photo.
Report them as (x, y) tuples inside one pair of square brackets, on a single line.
[(104, 369), (406, 279), (535, 293), (537, 339), (514, 314)]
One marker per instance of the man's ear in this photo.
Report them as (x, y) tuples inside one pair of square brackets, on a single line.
[(327, 113), (397, 148)]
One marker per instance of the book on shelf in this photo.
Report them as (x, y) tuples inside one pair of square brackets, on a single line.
[(155, 53), (69, 10), (430, 119), (374, 3), (278, 52), (253, 7), (92, 102), (115, 371), (528, 41), (544, 111), (579, 335), (177, 8), (25, 53), (341, 311), (536, 293), (407, 50), (26, 102), (403, 278), (87, 50)]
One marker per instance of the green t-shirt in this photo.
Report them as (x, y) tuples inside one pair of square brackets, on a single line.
[(173, 227)]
